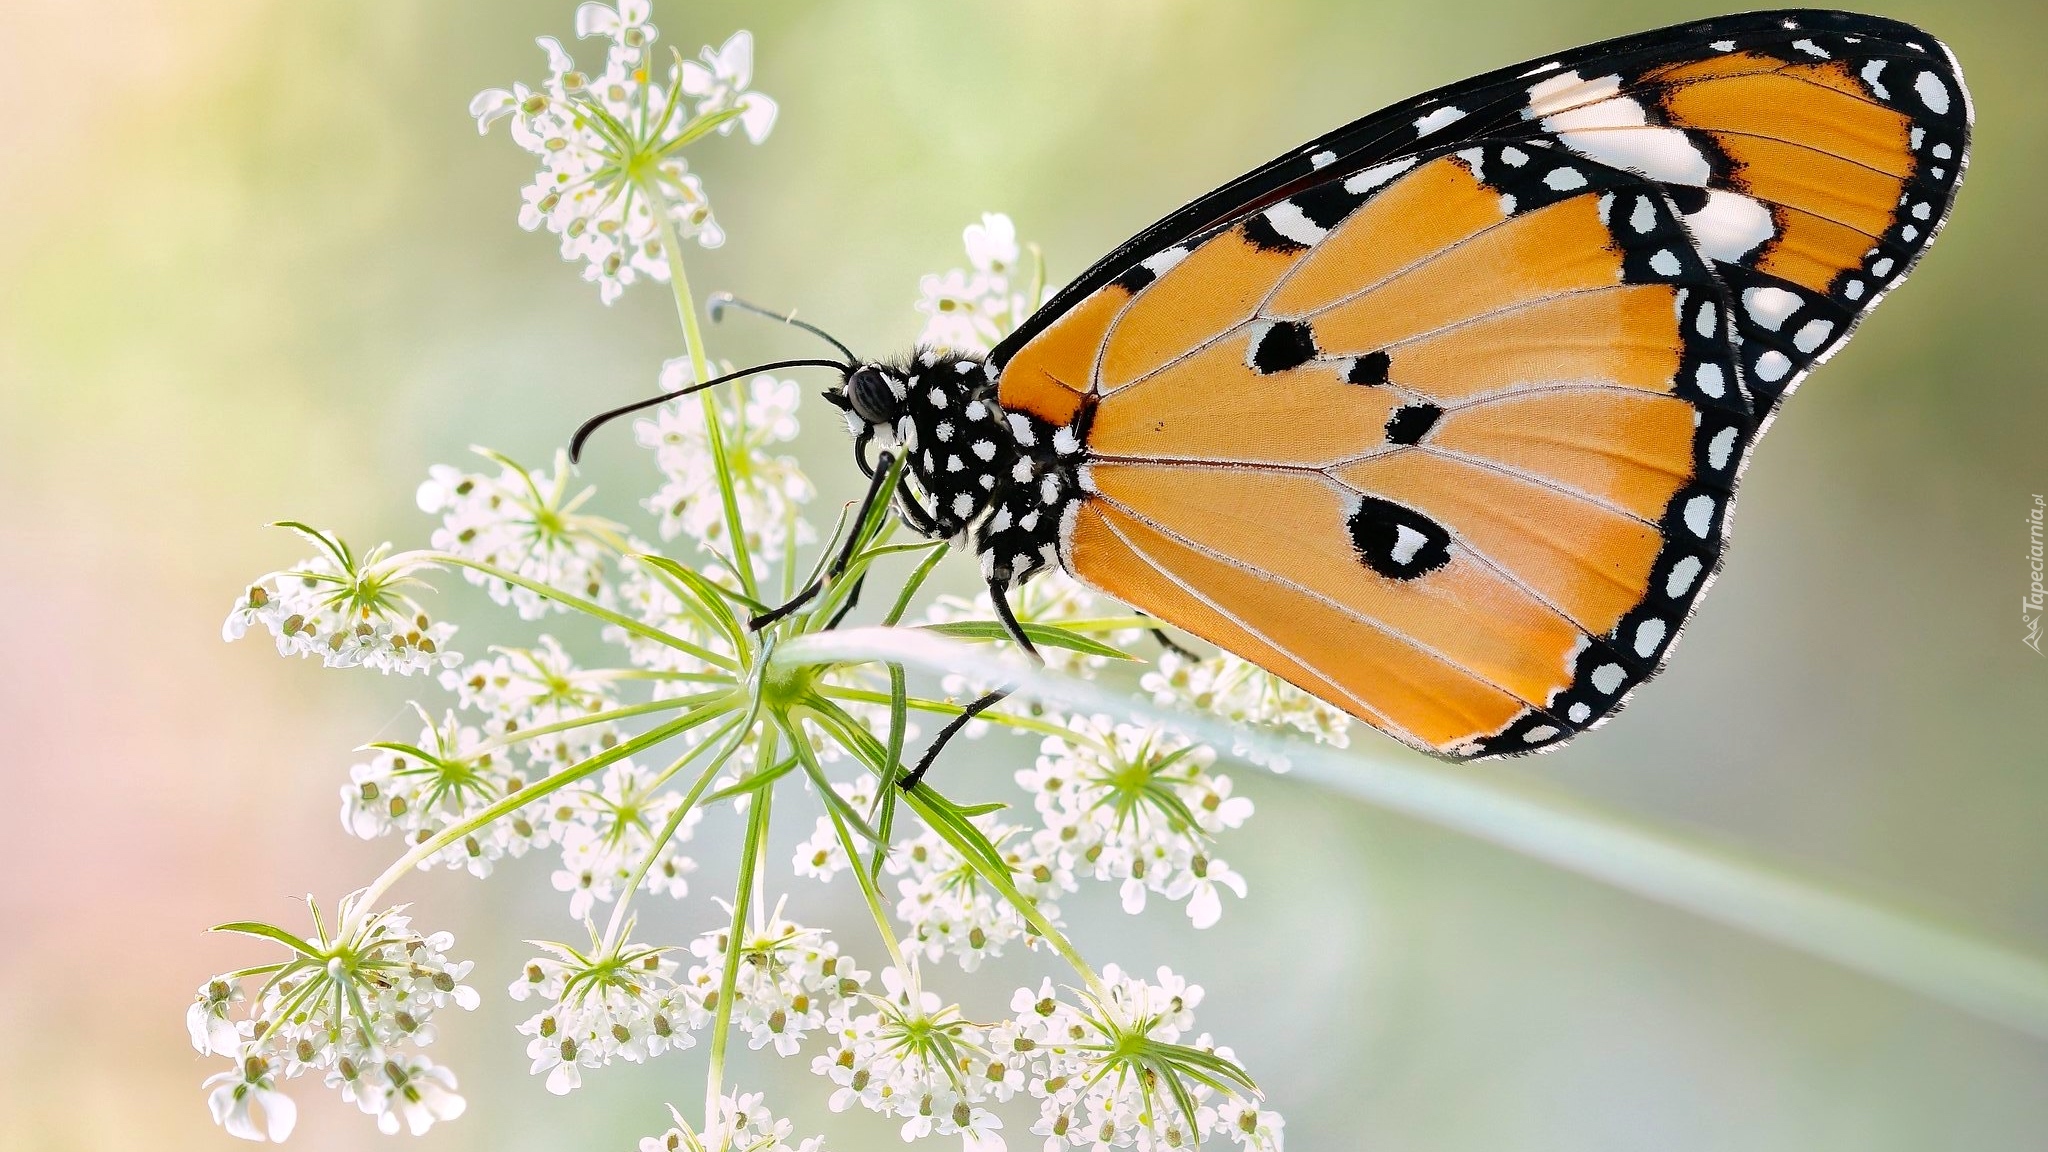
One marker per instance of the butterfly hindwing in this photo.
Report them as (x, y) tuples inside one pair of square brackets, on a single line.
[(1441, 417)]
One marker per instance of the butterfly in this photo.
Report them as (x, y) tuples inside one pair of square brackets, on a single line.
[(1439, 417)]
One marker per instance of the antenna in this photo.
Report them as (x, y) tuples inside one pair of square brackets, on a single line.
[(595, 422), (715, 308)]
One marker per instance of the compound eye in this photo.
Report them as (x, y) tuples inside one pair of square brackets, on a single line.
[(872, 398)]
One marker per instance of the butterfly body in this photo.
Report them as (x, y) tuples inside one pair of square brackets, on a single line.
[(1440, 416)]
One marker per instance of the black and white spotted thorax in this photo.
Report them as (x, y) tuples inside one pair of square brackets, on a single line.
[(1006, 481)]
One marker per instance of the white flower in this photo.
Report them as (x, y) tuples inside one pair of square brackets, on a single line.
[(626, 25), (768, 488), (528, 523), (740, 1123), (992, 244), (790, 981), (720, 82), (447, 777), (345, 610), (950, 909), (612, 178), (619, 1002), (524, 689), (1133, 805), (354, 1004), (965, 315), (1100, 1068), (250, 1083), (418, 1091), (213, 1034), (606, 830), (970, 311), (1245, 694)]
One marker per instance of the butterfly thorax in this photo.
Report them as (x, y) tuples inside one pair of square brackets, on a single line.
[(1004, 479)]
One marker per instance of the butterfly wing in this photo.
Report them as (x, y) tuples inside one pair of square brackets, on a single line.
[(1450, 439)]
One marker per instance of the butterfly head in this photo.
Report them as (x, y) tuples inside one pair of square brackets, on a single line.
[(872, 396)]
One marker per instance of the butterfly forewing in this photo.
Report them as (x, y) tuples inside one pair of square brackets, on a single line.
[(1440, 419)]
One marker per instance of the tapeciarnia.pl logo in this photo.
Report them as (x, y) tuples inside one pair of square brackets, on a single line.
[(2030, 608)]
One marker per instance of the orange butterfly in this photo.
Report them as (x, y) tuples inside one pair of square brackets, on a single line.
[(1439, 417)]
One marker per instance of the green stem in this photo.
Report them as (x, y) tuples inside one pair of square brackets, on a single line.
[(742, 904), (567, 600), (668, 830), (367, 900), (849, 845), (607, 716), (998, 877), (700, 366), (1906, 949)]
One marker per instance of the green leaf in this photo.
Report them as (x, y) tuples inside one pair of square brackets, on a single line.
[(1042, 635), (269, 932)]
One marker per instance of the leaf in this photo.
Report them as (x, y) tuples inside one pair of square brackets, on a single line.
[(268, 932)]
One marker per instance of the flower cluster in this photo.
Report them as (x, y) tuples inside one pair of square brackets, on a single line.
[(1106, 1071), (354, 1007), (1249, 697), (739, 1122), (345, 610), (613, 183), (767, 488), (1111, 1071), (619, 1001), (1136, 806), (969, 309), (523, 522), (788, 981)]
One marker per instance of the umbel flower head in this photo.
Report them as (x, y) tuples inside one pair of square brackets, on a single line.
[(612, 178), (354, 1002)]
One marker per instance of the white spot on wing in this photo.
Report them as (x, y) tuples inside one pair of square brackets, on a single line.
[(1933, 92), (1644, 218), (1683, 574), (1407, 542), (1812, 49), (1567, 90), (1699, 515), (1441, 118), (1361, 183), (1772, 366), (1871, 72), (1322, 159), (1769, 306), (1711, 381), (1720, 448), (1649, 634), (1729, 226), (1565, 179), (1665, 263), (1539, 733), (1813, 334), (1608, 677), (1290, 221), (1579, 714), (1159, 262)]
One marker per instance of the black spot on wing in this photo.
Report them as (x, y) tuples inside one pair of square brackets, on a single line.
[(1370, 369), (1397, 541), (1284, 344), (1411, 422), (1260, 233)]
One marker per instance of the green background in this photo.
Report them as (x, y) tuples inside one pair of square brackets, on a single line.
[(256, 263)]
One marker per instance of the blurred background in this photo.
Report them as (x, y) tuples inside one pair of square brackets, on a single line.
[(256, 263)]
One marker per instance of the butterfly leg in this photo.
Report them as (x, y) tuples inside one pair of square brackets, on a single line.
[(1169, 643), (998, 591), (839, 562)]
